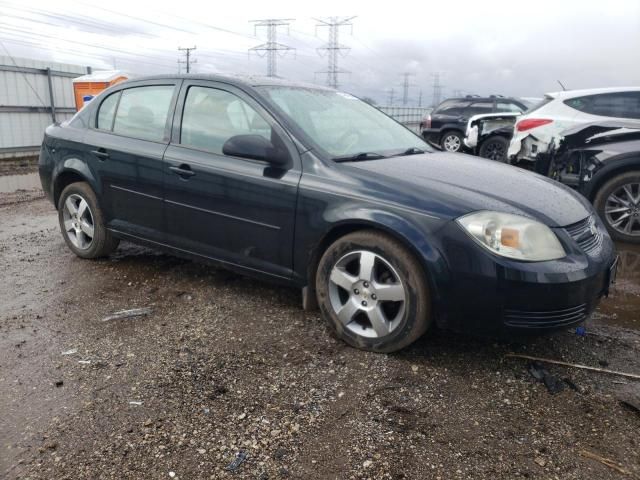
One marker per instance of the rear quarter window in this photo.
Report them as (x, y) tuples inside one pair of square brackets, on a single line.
[(619, 104)]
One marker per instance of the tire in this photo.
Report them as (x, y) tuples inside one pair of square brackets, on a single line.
[(451, 141), (84, 229), (403, 309), (495, 148), (613, 196)]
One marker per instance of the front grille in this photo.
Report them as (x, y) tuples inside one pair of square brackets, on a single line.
[(545, 318), (586, 234)]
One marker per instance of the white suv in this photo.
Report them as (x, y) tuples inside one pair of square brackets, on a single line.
[(539, 128)]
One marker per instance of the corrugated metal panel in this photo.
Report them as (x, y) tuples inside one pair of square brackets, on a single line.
[(30, 89)]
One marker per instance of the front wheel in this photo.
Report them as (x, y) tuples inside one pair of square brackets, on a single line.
[(618, 204), (82, 222), (373, 292)]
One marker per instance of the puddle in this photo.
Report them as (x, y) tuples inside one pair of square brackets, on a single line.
[(622, 308), (12, 183)]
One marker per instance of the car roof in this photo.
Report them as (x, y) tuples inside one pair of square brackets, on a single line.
[(240, 80), (562, 95)]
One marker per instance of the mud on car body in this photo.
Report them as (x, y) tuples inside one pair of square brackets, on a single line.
[(315, 189)]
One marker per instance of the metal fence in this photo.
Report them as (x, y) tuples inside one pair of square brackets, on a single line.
[(33, 94), (409, 116)]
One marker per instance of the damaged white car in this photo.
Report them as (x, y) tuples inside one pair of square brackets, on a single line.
[(538, 129), (488, 134)]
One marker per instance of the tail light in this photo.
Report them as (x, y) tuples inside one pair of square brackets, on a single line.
[(529, 123), (427, 121)]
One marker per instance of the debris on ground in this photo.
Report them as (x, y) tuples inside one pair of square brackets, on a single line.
[(134, 312), (73, 351), (574, 365), (58, 383), (133, 402), (241, 456), (605, 461), (629, 396), (553, 384)]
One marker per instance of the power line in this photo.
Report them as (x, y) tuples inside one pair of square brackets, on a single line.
[(333, 49), (187, 54), (271, 49)]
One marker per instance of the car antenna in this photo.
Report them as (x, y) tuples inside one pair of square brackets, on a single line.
[(561, 85)]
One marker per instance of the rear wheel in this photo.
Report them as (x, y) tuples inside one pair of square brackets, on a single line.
[(82, 222), (372, 292), (451, 141), (494, 148), (618, 203)]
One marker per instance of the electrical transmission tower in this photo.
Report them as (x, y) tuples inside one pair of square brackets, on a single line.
[(333, 49), (271, 49), (392, 93), (405, 88), (437, 89), (188, 61)]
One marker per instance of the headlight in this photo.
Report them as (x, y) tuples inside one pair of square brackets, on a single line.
[(513, 236)]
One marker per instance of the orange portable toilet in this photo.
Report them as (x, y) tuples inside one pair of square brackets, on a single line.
[(88, 86)]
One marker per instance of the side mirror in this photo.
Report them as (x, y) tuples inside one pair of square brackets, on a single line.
[(255, 147)]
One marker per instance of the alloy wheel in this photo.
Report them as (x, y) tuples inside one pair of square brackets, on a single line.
[(452, 143), (367, 294), (78, 221), (495, 151), (622, 209)]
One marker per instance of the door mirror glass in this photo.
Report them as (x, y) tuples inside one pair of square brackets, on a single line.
[(255, 147)]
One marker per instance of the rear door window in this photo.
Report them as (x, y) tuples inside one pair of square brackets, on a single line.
[(507, 107), (452, 108), (479, 107), (619, 105), (143, 112), (107, 112)]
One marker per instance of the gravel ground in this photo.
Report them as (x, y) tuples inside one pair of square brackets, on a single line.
[(226, 366)]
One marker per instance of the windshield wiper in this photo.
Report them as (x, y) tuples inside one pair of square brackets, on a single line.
[(410, 151), (359, 157)]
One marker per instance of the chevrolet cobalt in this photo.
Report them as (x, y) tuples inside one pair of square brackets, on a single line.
[(316, 189)]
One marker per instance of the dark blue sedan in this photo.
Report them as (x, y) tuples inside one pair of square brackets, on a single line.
[(314, 188)]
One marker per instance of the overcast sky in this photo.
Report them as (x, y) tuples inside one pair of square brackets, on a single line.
[(482, 47)]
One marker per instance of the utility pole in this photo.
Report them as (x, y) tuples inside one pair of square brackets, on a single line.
[(392, 92), (187, 53), (405, 88), (271, 49), (437, 89), (333, 49), (420, 99)]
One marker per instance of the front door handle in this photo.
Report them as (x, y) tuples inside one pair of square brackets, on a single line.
[(101, 153), (183, 170)]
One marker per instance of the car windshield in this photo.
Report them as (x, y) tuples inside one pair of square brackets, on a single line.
[(343, 126)]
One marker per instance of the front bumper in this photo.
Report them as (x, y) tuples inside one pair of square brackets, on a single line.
[(491, 294)]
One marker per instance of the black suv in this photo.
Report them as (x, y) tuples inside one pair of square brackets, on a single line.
[(445, 126), (313, 188)]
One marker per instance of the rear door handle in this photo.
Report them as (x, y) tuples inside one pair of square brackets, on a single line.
[(101, 153), (183, 170)]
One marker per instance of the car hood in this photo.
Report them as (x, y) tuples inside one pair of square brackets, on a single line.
[(456, 184)]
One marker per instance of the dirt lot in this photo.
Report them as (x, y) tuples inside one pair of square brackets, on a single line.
[(225, 364)]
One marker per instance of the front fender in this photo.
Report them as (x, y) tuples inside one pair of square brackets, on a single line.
[(317, 229)]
